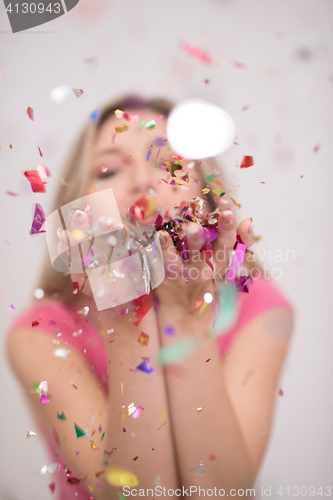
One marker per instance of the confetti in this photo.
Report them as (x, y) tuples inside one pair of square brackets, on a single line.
[(102, 435), (125, 116), (316, 148), (122, 128), (169, 330), (236, 261), (143, 339), (12, 308), (30, 113), (43, 171), (93, 446), (61, 415), (117, 476), (78, 92), (137, 412), (199, 409), (247, 162), (79, 432), (238, 65), (97, 474), (94, 114), (37, 185), (31, 433), (150, 125), (41, 154), (197, 53), (173, 353), (38, 220), (148, 154), (135, 458), (199, 470), (59, 94), (172, 167), (36, 322), (11, 193), (145, 367), (50, 468), (62, 353), (52, 486), (280, 392)]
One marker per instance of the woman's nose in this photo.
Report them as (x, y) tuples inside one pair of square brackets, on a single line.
[(143, 178)]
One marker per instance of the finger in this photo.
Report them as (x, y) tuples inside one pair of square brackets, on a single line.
[(172, 261), (245, 231), (195, 237), (118, 241), (101, 246), (63, 245), (80, 243), (225, 241)]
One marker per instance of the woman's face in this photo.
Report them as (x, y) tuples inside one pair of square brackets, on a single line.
[(123, 157)]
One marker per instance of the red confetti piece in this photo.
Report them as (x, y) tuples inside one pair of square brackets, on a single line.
[(212, 458), (37, 185), (206, 81), (135, 458), (208, 360), (247, 162), (11, 193), (142, 305), (30, 113), (143, 339), (302, 176), (97, 474), (280, 392), (262, 182), (52, 486), (36, 322)]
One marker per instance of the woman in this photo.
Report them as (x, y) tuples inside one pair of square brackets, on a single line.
[(202, 420)]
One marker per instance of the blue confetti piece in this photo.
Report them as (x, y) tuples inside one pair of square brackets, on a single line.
[(169, 330), (145, 367), (95, 114), (149, 153)]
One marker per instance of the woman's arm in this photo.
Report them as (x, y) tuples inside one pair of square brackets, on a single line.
[(212, 434)]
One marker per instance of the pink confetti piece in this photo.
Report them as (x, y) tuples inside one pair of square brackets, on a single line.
[(159, 118), (316, 148), (11, 193), (12, 308), (197, 53), (104, 169), (137, 412), (44, 399), (280, 392), (43, 171), (41, 154), (236, 261), (244, 108), (239, 65), (30, 113), (38, 220)]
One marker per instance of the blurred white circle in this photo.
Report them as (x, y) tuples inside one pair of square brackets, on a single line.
[(208, 298), (58, 94), (197, 129), (39, 293)]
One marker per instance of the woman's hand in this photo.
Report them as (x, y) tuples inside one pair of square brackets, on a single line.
[(186, 283)]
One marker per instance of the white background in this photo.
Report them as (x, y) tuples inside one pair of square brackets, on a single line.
[(287, 82)]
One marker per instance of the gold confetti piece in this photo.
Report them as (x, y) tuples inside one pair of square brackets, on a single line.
[(117, 476), (122, 415), (199, 409), (217, 191), (122, 128), (218, 183), (161, 415), (172, 167), (91, 488), (11, 147), (31, 433), (94, 447), (73, 385), (205, 190), (235, 202)]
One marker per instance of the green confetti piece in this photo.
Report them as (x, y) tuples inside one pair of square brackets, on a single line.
[(56, 454), (34, 387), (141, 124), (150, 124), (175, 352), (102, 436), (222, 194), (209, 178), (61, 415), (120, 496), (227, 310), (79, 432)]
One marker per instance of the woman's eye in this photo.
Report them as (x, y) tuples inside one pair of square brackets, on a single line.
[(108, 173)]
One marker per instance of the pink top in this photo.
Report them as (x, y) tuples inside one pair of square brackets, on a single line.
[(57, 317)]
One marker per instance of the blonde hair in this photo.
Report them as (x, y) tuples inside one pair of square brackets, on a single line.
[(75, 178)]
